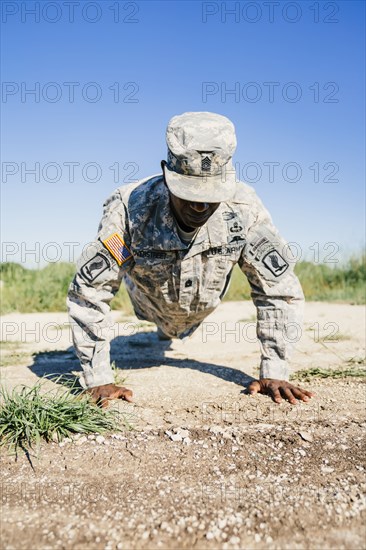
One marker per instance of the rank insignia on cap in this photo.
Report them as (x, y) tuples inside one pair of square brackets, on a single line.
[(206, 162), (117, 248)]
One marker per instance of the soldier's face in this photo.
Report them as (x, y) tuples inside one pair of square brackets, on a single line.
[(192, 215)]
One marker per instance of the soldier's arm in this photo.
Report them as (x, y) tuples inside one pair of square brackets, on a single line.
[(98, 278), (277, 294)]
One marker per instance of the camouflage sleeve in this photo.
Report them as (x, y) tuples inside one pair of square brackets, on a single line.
[(276, 292), (99, 273)]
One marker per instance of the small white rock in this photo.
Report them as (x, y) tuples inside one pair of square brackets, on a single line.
[(306, 436), (183, 433), (327, 469)]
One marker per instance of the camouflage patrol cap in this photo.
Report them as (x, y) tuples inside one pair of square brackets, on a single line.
[(200, 148)]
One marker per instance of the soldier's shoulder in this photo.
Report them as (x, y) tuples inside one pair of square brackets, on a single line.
[(244, 194), (143, 192)]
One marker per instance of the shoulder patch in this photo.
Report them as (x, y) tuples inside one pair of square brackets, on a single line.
[(94, 267), (118, 248), (275, 263)]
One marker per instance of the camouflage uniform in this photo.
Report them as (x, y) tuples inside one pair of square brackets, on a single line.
[(177, 285)]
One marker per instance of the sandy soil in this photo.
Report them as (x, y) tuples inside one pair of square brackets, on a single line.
[(206, 466)]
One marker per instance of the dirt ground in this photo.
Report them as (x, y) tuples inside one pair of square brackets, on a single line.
[(206, 466)]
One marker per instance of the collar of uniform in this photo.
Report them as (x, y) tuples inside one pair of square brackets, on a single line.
[(165, 230), (216, 226), (212, 234)]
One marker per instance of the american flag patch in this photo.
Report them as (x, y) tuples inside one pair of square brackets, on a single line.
[(117, 248)]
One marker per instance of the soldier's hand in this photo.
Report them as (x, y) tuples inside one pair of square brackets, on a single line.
[(102, 394), (279, 389)]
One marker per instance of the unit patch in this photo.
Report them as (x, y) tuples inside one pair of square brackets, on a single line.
[(94, 267), (117, 248), (275, 263)]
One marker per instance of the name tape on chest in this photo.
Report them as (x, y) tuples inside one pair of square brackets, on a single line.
[(223, 250), (151, 254), (118, 248)]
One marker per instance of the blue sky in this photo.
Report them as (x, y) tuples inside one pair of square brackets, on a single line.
[(296, 75)]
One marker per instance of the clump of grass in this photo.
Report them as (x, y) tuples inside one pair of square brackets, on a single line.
[(119, 379), (30, 415), (316, 372)]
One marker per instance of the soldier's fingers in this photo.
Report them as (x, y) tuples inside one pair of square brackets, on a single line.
[(275, 394), (123, 393), (301, 394), (308, 393), (90, 392), (101, 401), (254, 387), (288, 394)]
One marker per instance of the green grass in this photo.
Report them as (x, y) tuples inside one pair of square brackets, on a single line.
[(29, 415), (10, 353), (27, 290), (251, 319), (119, 379), (316, 372), (320, 282), (10, 344), (30, 290), (16, 358), (346, 283)]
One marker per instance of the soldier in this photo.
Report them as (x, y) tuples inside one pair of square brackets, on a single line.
[(174, 239)]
